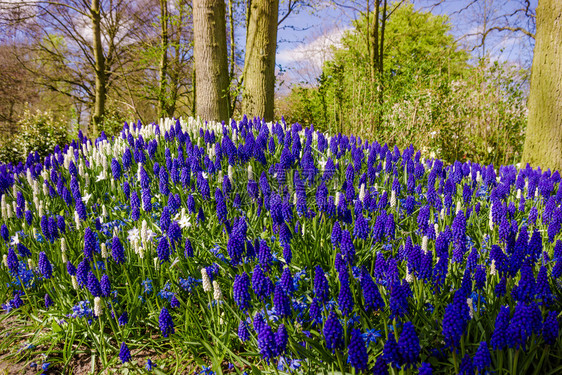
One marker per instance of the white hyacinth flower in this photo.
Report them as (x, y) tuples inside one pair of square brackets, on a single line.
[(393, 199), (470, 307), (144, 231), (230, 173), (217, 294), (30, 264), (362, 193), (5, 260), (409, 276), (493, 268), (459, 207), (76, 219), (97, 306), (74, 282), (424, 244), (338, 197), (206, 281), (104, 254), (250, 172)]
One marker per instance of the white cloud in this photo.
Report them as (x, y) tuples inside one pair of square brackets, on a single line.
[(315, 52)]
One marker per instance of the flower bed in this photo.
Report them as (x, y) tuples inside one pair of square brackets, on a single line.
[(257, 247)]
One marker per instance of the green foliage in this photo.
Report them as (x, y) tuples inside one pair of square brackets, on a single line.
[(38, 132), (427, 95)]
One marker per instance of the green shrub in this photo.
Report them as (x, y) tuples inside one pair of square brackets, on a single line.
[(37, 132)]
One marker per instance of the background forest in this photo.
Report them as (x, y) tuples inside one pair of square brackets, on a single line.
[(398, 74)]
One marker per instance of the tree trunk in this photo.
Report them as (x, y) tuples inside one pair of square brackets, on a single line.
[(99, 68), (259, 64), (162, 89), (543, 142), (231, 73), (375, 42), (209, 28)]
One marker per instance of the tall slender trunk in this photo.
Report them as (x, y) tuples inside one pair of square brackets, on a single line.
[(99, 69), (231, 100), (381, 56), (162, 89), (259, 64), (543, 141), (375, 42), (209, 26)]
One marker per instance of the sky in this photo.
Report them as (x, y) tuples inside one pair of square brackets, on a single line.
[(305, 38)]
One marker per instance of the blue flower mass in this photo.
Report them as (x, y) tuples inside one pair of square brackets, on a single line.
[(282, 248)]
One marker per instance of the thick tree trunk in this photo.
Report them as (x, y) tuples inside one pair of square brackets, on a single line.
[(543, 142), (209, 27), (259, 64), (162, 89), (99, 60)]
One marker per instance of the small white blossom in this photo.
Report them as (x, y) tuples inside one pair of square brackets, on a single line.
[(206, 281), (133, 235), (86, 197), (97, 306), (15, 240), (74, 282), (217, 294)]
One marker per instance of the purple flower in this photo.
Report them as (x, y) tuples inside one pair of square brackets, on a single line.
[(105, 285), (345, 298), (466, 367), (550, 329), (333, 333), (123, 319), (409, 346), (321, 288), (188, 252), (371, 293), (243, 332), (500, 335), (261, 284), (240, 290), (286, 281), (281, 302), (266, 342), (347, 248), (453, 325), (115, 169), (336, 234), (45, 266), (281, 339), (357, 351), (89, 243), (398, 302), (117, 251), (482, 359), (166, 323), (94, 285), (48, 301), (5, 233), (425, 369), (13, 263), (163, 250), (380, 367), (124, 353)]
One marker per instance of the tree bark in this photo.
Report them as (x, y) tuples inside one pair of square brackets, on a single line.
[(209, 26), (543, 142), (99, 69), (162, 89), (259, 64)]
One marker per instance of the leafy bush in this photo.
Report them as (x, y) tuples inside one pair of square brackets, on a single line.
[(38, 132)]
